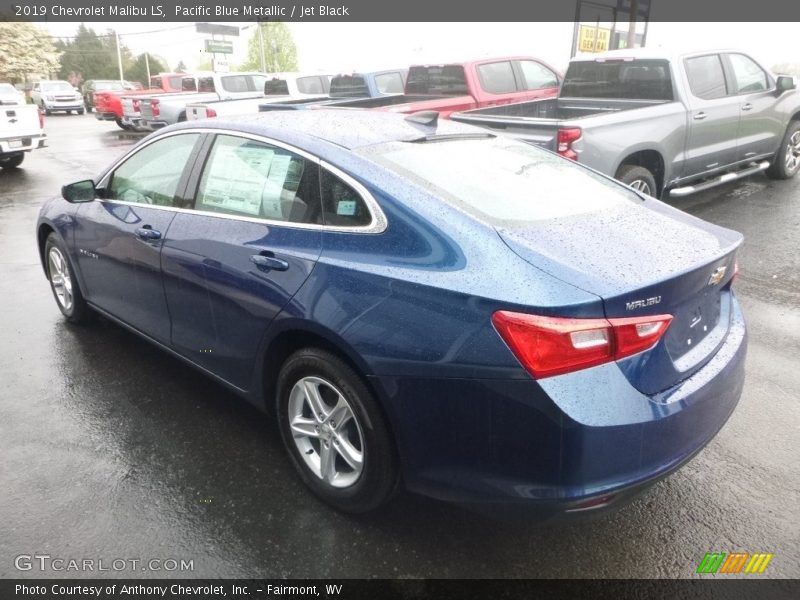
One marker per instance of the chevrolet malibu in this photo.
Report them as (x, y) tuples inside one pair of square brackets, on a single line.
[(420, 303)]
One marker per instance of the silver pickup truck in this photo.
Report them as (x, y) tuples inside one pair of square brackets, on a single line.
[(663, 123), (165, 109)]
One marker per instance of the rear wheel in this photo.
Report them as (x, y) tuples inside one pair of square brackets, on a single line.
[(121, 125), (12, 161), (63, 283), (80, 111), (787, 160), (334, 432), (638, 178)]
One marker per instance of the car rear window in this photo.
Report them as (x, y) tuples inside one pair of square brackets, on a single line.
[(438, 80), (630, 79), (276, 87), (311, 85), (500, 180), (349, 86)]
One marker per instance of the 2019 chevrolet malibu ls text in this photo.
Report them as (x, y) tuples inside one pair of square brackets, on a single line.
[(419, 302)]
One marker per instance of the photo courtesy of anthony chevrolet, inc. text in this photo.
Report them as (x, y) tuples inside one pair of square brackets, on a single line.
[(365, 300)]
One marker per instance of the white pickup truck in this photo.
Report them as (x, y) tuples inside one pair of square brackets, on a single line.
[(21, 130), (278, 86)]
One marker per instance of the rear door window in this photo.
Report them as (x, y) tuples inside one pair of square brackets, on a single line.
[(248, 178), (497, 78), (437, 80), (706, 77)]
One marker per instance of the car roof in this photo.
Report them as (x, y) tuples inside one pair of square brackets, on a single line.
[(349, 129)]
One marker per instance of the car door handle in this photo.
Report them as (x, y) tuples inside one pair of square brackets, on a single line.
[(747, 106), (148, 233), (700, 116), (265, 262)]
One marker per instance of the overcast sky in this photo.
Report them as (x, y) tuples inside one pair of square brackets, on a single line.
[(329, 47)]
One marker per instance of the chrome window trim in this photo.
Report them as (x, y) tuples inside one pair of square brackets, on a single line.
[(377, 224)]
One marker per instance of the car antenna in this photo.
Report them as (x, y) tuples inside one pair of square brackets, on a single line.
[(424, 117)]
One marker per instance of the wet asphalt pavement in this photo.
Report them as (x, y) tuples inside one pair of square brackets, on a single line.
[(110, 449)]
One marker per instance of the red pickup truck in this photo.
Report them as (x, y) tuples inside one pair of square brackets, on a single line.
[(108, 104), (452, 87)]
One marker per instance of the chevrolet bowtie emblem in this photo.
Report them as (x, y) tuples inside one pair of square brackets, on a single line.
[(717, 276)]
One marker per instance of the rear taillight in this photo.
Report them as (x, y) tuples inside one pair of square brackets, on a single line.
[(566, 137), (548, 346), (41, 119), (211, 113), (137, 105), (154, 108)]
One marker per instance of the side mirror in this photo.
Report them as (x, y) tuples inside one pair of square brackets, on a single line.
[(80, 191), (785, 83)]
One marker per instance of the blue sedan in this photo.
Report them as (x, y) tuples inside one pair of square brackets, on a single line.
[(420, 303)]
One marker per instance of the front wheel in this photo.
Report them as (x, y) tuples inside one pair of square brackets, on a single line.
[(80, 111), (334, 432), (787, 160), (638, 178), (63, 283)]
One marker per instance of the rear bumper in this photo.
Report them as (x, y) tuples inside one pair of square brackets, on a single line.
[(152, 125), (105, 116), (22, 144), (562, 441)]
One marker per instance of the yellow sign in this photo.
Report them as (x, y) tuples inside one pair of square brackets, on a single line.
[(593, 39)]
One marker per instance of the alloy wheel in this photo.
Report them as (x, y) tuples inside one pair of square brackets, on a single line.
[(326, 432), (793, 153), (640, 185), (60, 278)]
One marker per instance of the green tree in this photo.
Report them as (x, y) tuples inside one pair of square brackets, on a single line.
[(137, 71), (280, 52), (25, 51), (91, 56)]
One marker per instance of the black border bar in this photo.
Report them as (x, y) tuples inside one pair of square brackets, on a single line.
[(376, 10), (404, 589)]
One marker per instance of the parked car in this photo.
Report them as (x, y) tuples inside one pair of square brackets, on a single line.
[(57, 96), (21, 130), (92, 86), (9, 95), (160, 111), (446, 88), (281, 86), (418, 301), (109, 105), (663, 122)]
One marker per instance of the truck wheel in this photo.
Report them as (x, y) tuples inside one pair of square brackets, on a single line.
[(89, 109), (334, 432), (46, 110), (638, 178), (11, 162), (121, 125), (787, 160), (80, 111), (181, 117)]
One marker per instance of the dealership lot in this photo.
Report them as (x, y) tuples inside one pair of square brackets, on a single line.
[(111, 449)]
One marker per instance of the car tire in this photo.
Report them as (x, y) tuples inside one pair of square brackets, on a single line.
[(46, 110), (80, 111), (12, 162), (63, 283), (122, 125), (88, 109), (786, 163), (638, 178), (314, 388)]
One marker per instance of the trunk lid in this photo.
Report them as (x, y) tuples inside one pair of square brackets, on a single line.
[(645, 259)]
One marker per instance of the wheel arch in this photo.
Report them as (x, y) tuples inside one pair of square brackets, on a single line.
[(650, 159), (42, 233)]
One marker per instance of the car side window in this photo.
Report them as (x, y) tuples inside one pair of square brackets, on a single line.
[(497, 78), (389, 83), (706, 76), (748, 75), (152, 174), (537, 76), (310, 85), (342, 206), (248, 178)]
